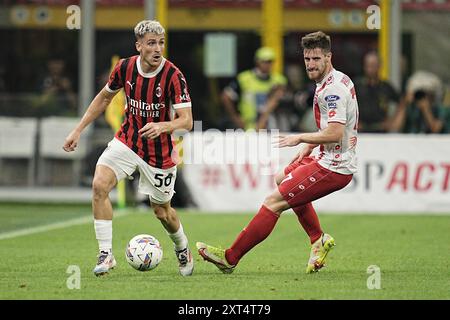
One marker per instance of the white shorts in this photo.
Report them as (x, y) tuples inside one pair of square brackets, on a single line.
[(157, 183)]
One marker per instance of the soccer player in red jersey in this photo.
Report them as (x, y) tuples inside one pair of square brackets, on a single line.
[(158, 103), (306, 178)]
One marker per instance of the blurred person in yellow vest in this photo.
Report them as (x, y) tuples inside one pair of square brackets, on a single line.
[(251, 98), (115, 111)]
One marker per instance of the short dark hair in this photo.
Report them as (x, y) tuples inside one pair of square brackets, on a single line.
[(317, 40)]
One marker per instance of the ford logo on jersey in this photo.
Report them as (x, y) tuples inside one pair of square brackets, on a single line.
[(332, 98)]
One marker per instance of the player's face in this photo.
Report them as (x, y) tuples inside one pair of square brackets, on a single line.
[(150, 47), (317, 63)]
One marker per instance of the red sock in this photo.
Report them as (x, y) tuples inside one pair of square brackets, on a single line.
[(257, 230), (307, 217)]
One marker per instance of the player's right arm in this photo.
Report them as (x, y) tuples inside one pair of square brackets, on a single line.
[(95, 109)]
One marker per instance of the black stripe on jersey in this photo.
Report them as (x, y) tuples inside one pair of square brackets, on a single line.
[(123, 71), (135, 136), (169, 136), (145, 85), (158, 144), (169, 90), (182, 84), (115, 81), (168, 82)]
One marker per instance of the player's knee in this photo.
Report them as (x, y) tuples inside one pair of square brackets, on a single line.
[(276, 203), (100, 187), (269, 200)]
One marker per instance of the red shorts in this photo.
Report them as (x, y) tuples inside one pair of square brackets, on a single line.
[(307, 181)]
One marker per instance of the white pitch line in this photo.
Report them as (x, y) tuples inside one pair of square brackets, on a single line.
[(54, 226)]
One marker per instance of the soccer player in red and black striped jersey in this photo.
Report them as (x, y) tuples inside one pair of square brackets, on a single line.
[(158, 103)]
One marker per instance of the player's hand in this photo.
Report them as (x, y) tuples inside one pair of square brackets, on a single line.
[(298, 158), (152, 130), (287, 141), (71, 141)]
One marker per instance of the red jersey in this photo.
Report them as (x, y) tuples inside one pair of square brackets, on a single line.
[(151, 97)]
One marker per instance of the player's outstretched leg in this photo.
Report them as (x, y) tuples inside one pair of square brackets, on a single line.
[(256, 231), (319, 252), (216, 256), (169, 219)]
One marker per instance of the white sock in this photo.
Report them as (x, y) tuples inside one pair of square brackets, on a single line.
[(179, 238), (103, 233)]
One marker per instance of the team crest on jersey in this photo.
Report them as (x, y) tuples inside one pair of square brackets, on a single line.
[(331, 113), (158, 91), (332, 98)]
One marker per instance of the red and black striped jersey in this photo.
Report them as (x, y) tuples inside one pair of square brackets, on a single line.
[(151, 97)]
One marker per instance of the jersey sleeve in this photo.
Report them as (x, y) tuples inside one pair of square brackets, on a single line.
[(179, 95), (336, 99), (115, 82)]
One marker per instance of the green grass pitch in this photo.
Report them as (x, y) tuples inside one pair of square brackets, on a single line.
[(412, 252)]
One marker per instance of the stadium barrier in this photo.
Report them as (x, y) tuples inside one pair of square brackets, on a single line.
[(52, 131), (396, 173), (18, 141)]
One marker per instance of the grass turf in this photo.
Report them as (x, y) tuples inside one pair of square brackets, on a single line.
[(411, 252)]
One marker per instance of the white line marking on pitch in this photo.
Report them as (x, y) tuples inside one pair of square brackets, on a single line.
[(54, 226)]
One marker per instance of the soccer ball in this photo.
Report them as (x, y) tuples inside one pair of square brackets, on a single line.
[(144, 252)]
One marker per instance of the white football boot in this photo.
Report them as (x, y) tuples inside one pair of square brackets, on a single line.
[(185, 261), (105, 262)]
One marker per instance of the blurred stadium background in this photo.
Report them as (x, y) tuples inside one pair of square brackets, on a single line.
[(398, 172)]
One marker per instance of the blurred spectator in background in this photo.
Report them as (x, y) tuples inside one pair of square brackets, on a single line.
[(58, 96), (377, 99), (255, 93), (422, 110), (306, 99), (290, 102)]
